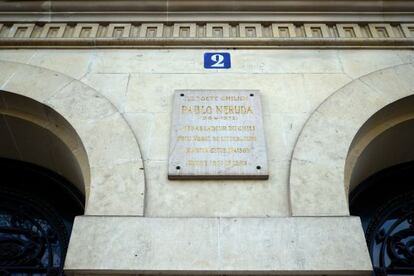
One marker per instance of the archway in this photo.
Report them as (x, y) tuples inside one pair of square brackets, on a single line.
[(360, 140), (379, 170), (319, 182), (37, 211), (384, 141), (112, 168), (33, 132), (69, 136), (44, 169), (385, 204)]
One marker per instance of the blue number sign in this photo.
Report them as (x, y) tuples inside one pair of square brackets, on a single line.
[(217, 60)]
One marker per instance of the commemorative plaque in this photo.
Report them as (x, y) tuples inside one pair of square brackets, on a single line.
[(217, 134)]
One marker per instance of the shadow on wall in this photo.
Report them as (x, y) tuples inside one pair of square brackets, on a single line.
[(380, 172), (34, 133), (384, 141)]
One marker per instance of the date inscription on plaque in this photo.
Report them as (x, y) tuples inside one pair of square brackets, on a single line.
[(217, 134)]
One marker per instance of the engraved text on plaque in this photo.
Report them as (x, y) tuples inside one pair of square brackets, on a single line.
[(217, 134)]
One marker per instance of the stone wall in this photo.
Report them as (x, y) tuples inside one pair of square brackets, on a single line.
[(129, 92)]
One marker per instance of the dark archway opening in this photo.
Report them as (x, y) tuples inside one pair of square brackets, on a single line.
[(385, 203), (37, 209)]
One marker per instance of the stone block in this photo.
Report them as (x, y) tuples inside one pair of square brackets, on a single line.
[(21, 55), (117, 147), (111, 86), (218, 246), (357, 63), (143, 124), (72, 63), (117, 190), (77, 101), (38, 83), (224, 198)]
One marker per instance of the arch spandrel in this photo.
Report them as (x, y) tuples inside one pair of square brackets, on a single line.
[(23, 79), (318, 185), (112, 167)]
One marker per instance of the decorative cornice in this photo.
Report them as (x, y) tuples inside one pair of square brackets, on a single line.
[(212, 34), (206, 5), (207, 10)]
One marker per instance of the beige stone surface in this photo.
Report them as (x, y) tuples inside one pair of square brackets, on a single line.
[(287, 101), (39, 83), (112, 86), (6, 73), (133, 61), (287, 61), (112, 151), (22, 56), (219, 245), (143, 124), (73, 63), (223, 198), (407, 56), (358, 63), (191, 61), (317, 180), (116, 147), (287, 93), (76, 100), (314, 102), (320, 154), (395, 83), (120, 189), (131, 94)]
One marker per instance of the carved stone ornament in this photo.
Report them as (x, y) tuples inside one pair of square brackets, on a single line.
[(201, 35)]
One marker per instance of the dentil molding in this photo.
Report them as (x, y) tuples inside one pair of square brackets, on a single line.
[(211, 34)]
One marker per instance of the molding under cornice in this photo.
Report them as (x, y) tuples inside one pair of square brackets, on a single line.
[(104, 43), (207, 11), (201, 17), (206, 35), (207, 5)]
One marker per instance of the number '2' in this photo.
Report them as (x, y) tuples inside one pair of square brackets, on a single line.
[(218, 59)]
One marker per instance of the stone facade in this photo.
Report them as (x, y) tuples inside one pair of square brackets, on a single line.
[(320, 82)]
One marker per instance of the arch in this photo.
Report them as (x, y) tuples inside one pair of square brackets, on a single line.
[(37, 208), (317, 178), (384, 141), (35, 133), (104, 145)]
